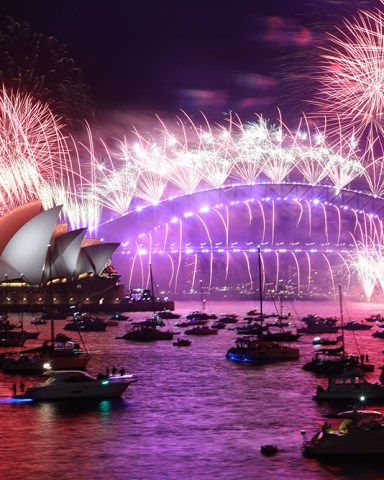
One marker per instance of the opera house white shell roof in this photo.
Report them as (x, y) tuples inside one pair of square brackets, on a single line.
[(35, 250)]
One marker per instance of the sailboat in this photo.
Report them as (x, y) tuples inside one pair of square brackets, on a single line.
[(256, 349), (329, 360), (280, 335), (147, 331)]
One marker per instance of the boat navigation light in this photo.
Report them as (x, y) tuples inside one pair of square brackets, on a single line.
[(362, 398), (47, 366)]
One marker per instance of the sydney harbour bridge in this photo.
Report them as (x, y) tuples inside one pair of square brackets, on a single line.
[(311, 239)]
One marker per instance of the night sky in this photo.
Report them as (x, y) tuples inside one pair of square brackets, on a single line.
[(246, 56)]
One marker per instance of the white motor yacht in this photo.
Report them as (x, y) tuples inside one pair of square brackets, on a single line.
[(76, 384), (360, 432)]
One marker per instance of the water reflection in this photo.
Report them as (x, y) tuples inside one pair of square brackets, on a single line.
[(192, 413)]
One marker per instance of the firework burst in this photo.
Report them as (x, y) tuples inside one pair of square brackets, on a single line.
[(352, 82), (32, 147)]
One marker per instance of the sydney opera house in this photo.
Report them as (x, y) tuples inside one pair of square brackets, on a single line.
[(45, 266)]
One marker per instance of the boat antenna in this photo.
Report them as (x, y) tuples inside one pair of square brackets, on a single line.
[(341, 318), (260, 291)]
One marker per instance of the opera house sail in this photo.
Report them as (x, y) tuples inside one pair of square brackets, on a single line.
[(45, 266)]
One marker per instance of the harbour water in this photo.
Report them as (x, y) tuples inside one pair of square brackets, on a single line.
[(192, 413)]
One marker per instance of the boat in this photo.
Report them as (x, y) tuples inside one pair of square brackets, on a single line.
[(38, 321), (326, 360), (228, 318), (201, 315), (254, 312), (74, 385), (252, 328), (326, 341), (86, 323), (191, 322), (146, 333), (148, 330), (280, 315), (119, 317), (359, 432), (218, 325), (255, 349), (330, 360), (316, 325), (154, 321), (378, 334), (182, 342), (168, 315), (201, 330), (353, 325), (60, 355), (275, 331), (7, 341), (278, 323), (53, 354), (349, 385), (282, 336), (375, 317), (140, 300)]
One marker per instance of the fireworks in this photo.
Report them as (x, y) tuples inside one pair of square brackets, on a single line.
[(98, 178), (32, 147), (352, 83)]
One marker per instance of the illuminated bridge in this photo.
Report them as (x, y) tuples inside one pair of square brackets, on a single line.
[(311, 238)]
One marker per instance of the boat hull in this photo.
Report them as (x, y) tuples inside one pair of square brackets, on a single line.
[(98, 390), (37, 364), (263, 355), (369, 394), (147, 335), (363, 443)]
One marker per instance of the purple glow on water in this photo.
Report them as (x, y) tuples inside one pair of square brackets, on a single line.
[(190, 411)]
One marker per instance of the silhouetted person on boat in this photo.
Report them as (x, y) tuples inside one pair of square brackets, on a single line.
[(14, 389), (22, 387), (107, 372), (114, 370), (122, 371)]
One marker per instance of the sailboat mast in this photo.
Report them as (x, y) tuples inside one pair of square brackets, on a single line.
[(260, 290), (51, 298), (152, 289), (202, 296), (341, 317)]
